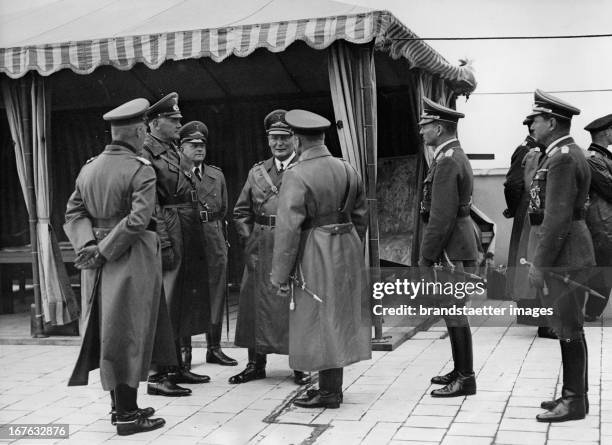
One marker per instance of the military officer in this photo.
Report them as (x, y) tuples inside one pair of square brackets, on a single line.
[(108, 222), (560, 242), (448, 235), (183, 253), (263, 318), (212, 207), (516, 196), (599, 213), (321, 222)]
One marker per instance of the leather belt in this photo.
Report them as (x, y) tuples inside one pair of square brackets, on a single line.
[(463, 210), (266, 220), (180, 205), (207, 216), (103, 226), (324, 220)]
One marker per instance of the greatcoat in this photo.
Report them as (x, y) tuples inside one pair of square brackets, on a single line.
[(212, 196), (517, 200), (599, 213), (263, 317), (125, 322), (321, 220), (178, 226)]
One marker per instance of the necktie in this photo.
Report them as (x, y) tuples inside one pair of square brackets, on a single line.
[(198, 173), (282, 168)]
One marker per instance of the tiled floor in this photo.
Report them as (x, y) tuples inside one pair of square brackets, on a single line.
[(386, 399)]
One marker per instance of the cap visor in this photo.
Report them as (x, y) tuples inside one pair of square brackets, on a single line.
[(278, 131)]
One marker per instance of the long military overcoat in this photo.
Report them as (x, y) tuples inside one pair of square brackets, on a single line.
[(125, 322), (212, 195), (329, 259), (263, 317), (178, 225), (517, 199), (599, 213)]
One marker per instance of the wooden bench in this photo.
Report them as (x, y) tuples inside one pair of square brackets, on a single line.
[(16, 264)]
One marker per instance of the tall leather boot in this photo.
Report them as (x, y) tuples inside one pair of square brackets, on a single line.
[(449, 377), (572, 405), (255, 369), (183, 373), (186, 352), (464, 383), (128, 418), (329, 394), (551, 404), (214, 354)]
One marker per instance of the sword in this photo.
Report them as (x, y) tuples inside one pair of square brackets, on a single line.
[(227, 272), (567, 280), (450, 267), (302, 285)]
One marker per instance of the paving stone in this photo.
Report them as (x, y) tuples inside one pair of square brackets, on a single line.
[(420, 434), (473, 429), (520, 438)]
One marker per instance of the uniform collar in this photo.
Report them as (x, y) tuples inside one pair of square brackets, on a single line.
[(285, 163), (556, 142), (440, 147), (157, 146), (316, 151), (600, 149)]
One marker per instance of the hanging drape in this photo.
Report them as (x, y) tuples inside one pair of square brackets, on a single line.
[(352, 81), (59, 304)]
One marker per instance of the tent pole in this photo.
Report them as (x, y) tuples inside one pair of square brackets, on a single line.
[(369, 136), (26, 114)]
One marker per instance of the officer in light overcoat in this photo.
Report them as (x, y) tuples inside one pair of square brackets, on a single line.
[(108, 222)]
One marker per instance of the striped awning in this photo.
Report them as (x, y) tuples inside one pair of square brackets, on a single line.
[(153, 49)]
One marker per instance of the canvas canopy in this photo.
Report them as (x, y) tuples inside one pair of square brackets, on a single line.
[(65, 60)]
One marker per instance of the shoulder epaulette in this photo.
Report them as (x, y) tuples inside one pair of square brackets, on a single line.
[(215, 167), (90, 159), (292, 165), (536, 149), (565, 149), (144, 161), (258, 163), (449, 153)]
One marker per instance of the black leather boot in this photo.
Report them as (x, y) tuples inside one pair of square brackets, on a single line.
[(322, 399), (301, 378), (546, 332), (551, 404), (572, 405), (214, 354), (162, 384), (183, 374), (255, 369), (186, 352), (133, 422), (464, 383), (449, 377)]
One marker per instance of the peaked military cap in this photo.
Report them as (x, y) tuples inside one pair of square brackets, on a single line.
[(545, 103), (600, 124), (167, 106), (128, 113), (275, 123), (194, 131), (433, 111), (306, 122)]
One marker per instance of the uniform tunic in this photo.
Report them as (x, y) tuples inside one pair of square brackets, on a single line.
[(559, 238), (178, 225), (212, 196), (263, 317), (125, 321), (329, 258), (447, 193)]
